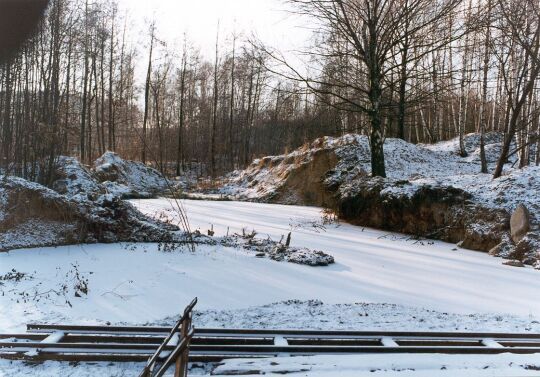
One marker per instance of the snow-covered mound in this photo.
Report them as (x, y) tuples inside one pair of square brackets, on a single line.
[(32, 215), (111, 175), (347, 157), (431, 191), (129, 179), (75, 180), (341, 160), (278, 251)]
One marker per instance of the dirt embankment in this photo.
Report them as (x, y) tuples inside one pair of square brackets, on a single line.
[(34, 216), (449, 201), (302, 183), (438, 212)]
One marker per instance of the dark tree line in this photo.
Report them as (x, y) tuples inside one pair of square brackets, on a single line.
[(419, 70)]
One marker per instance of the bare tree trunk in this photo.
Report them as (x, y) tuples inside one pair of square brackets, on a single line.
[(214, 112), (484, 108), (231, 108), (180, 149), (147, 95), (84, 90)]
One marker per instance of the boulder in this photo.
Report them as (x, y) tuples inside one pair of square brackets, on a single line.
[(527, 250), (520, 223)]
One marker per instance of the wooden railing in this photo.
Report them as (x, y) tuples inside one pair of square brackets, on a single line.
[(180, 335)]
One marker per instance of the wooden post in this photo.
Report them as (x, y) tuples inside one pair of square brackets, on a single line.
[(183, 360)]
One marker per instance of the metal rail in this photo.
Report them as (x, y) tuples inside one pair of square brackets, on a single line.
[(122, 344)]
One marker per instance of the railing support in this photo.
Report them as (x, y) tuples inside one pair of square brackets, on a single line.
[(180, 355)]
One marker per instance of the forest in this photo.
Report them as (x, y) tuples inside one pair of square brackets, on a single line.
[(419, 70), (269, 187)]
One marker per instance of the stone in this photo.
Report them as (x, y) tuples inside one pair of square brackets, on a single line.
[(505, 248), (519, 223), (514, 263), (527, 248)]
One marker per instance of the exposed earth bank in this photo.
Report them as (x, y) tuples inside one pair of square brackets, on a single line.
[(430, 191), (87, 206)]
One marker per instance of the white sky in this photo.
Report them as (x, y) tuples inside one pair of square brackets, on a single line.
[(199, 18)]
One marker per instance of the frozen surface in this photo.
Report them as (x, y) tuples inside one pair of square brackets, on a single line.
[(371, 265), (380, 281)]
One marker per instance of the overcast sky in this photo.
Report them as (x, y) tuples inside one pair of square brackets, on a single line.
[(199, 18)]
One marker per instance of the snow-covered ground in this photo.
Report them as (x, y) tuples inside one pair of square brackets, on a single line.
[(379, 281), (372, 265)]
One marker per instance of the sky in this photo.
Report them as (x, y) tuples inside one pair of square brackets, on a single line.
[(198, 19)]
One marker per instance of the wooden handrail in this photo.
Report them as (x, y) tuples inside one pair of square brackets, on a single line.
[(184, 326), (175, 355)]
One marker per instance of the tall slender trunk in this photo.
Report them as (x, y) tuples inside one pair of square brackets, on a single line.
[(484, 108), (214, 112), (82, 147), (147, 96), (111, 130), (231, 108), (180, 149)]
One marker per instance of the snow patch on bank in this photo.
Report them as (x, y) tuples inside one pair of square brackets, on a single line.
[(129, 179)]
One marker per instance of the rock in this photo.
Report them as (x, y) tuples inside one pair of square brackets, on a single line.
[(505, 248), (519, 223), (527, 249), (513, 263)]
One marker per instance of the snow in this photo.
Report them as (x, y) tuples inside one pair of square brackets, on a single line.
[(438, 165), (400, 365), (383, 365), (380, 281), (129, 178), (371, 265), (76, 181)]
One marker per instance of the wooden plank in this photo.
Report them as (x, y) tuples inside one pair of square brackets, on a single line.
[(157, 340), (327, 341), (270, 332), (39, 345), (67, 357), (271, 349), (21, 337)]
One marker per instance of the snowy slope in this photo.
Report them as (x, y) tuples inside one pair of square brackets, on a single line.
[(437, 164)]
